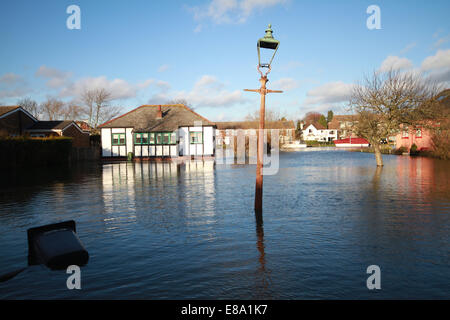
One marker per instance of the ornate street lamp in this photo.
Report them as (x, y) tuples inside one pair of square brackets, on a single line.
[(266, 43)]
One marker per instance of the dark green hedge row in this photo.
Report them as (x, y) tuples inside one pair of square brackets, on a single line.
[(22, 151), (312, 143)]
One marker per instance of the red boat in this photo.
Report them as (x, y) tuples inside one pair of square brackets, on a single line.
[(351, 143)]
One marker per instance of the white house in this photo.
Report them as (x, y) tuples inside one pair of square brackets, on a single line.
[(317, 132), (227, 130), (158, 131)]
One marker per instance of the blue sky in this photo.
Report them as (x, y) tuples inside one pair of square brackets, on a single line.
[(205, 51)]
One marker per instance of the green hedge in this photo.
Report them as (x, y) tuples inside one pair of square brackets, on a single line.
[(313, 143), (23, 151)]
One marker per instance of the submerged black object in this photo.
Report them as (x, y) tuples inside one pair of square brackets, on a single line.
[(56, 245)]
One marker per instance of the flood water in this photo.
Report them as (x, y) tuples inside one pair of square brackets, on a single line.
[(162, 231)]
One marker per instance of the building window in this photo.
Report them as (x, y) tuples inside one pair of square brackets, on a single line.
[(405, 133), (152, 137), (118, 139), (141, 138), (196, 137), (419, 133), (162, 138)]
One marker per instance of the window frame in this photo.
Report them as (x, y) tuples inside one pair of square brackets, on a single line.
[(118, 139), (418, 130), (156, 138), (196, 134)]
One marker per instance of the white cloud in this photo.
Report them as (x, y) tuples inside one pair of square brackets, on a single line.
[(119, 88), (11, 79), (440, 60), (207, 91), (13, 86), (231, 11), (395, 63), (55, 78), (441, 41), (437, 67), (284, 84), (329, 93), (408, 48), (163, 68), (198, 28)]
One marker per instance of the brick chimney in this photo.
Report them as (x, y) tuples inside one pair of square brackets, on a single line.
[(159, 114)]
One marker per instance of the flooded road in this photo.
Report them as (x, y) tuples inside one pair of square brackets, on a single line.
[(167, 231)]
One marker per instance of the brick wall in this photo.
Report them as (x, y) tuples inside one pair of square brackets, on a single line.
[(15, 123), (80, 139)]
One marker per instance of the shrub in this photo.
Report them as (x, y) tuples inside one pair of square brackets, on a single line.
[(25, 151), (400, 150), (441, 144), (413, 150)]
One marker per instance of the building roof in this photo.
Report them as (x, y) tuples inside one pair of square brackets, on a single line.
[(255, 125), (315, 124), (83, 125), (337, 119), (6, 109), (144, 118), (51, 125)]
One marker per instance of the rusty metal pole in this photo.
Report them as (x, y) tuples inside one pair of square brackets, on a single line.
[(260, 158)]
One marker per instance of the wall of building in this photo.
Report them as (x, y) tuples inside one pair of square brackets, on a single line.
[(15, 123), (423, 142), (79, 139), (182, 148)]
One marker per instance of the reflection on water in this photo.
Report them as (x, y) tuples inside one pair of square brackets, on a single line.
[(164, 230)]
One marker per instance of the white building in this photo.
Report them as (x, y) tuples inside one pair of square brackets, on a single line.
[(316, 132), (158, 131), (227, 130)]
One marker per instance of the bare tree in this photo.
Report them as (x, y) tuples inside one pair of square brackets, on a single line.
[(73, 111), (312, 116), (270, 115), (97, 105), (53, 109), (87, 99), (30, 105), (180, 101), (109, 113), (386, 101)]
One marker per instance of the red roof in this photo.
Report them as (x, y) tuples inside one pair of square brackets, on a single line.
[(353, 141)]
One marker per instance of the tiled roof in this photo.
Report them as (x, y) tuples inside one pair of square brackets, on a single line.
[(50, 125), (255, 125), (315, 124), (144, 118), (6, 109), (335, 122)]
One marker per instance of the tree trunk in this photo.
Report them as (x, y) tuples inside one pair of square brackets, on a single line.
[(378, 156)]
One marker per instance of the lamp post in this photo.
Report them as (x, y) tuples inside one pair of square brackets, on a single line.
[(267, 43)]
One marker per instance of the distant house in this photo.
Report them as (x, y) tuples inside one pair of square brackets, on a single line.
[(417, 135), (316, 132), (227, 130), (14, 120), (84, 125), (344, 125), (158, 131), (67, 128)]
